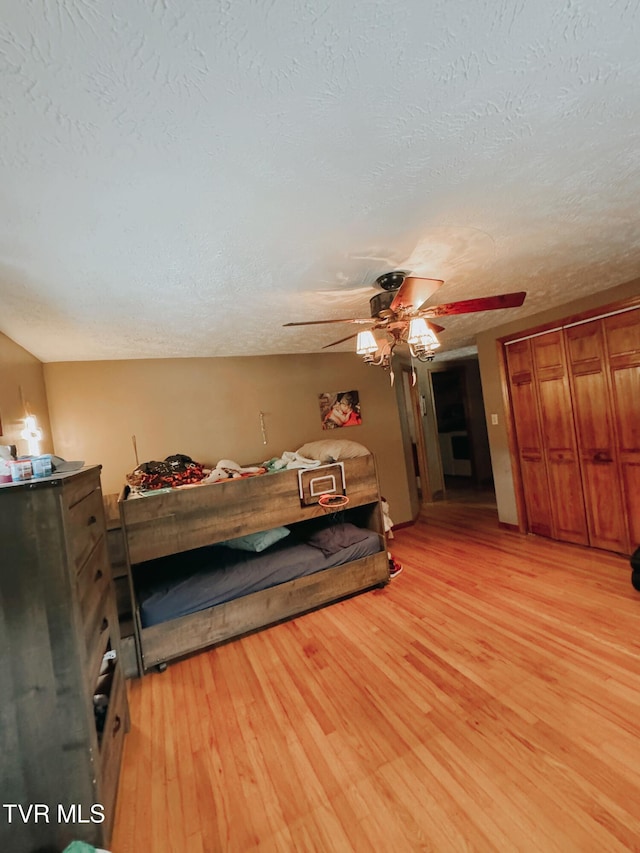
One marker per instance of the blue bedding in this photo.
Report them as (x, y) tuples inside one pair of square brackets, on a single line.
[(185, 583)]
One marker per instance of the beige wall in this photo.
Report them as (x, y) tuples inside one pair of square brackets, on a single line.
[(209, 409), (492, 390), (21, 372)]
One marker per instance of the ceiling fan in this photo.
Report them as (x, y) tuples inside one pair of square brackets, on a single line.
[(399, 311)]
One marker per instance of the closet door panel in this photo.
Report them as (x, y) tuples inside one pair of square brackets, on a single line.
[(559, 440), (622, 333), (596, 437), (536, 488), (527, 428)]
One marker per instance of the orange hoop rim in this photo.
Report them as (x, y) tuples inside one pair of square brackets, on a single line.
[(333, 501)]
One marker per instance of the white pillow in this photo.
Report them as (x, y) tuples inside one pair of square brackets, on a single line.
[(332, 450)]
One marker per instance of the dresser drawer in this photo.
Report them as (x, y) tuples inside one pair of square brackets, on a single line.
[(94, 586), (99, 627), (79, 486), (85, 525), (116, 725)]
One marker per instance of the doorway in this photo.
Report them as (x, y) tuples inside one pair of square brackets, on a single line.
[(462, 432)]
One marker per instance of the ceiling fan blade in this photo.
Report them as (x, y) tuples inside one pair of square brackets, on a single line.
[(414, 291), (470, 306), (321, 322), (341, 341)]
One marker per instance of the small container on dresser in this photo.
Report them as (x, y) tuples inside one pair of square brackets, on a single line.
[(63, 703)]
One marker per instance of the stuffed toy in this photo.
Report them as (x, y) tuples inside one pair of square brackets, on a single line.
[(227, 469)]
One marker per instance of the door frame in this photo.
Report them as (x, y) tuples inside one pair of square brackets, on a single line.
[(421, 450)]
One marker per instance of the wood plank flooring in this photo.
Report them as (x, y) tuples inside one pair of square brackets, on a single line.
[(488, 699)]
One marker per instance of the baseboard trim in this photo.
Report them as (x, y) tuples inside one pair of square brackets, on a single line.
[(404, 524), (504, 525)]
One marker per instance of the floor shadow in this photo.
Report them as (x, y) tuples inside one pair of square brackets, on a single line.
[(464, 490)]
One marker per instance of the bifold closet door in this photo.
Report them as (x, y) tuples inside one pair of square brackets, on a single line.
[(596, 429), (559, 438), (531, 457), (622, 336)]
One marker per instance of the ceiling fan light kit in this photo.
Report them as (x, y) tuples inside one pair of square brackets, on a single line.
[(366, 344), (380, 356), (422, 340), (398, 311)]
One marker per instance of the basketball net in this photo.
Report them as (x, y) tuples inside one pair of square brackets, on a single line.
[(333, 503)]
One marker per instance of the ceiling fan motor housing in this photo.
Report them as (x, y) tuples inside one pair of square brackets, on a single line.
[(391, 280), (381, 301)]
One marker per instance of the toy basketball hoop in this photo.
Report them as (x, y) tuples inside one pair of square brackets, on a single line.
[(323, 480), (331, 503)]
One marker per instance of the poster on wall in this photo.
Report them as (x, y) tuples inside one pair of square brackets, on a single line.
[(340, 409)]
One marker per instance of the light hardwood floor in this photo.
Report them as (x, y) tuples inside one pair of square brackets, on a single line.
[(488, 699)]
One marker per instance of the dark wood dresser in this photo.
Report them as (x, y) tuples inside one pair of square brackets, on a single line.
[(63, 704)]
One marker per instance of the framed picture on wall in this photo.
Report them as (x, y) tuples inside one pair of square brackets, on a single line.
[(340, 409)]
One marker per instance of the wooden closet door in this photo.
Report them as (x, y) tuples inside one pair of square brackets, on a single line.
[(527, 428), (596, 436), (559, 439), (622, 334)]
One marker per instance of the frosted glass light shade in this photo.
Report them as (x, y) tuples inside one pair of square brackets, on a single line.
[(366, 343), (417, 329), (420, 334)]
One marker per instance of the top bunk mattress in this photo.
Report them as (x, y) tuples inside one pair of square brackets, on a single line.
[(185, 583)]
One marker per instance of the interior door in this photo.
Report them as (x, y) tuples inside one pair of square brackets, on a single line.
[(594, 417), (622, 335), (559, 439)]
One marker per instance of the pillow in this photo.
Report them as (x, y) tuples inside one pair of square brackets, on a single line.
[(332, 539), (332, 450), (257, 541)]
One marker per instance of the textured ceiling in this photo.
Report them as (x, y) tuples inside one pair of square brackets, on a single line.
[(182, 178)]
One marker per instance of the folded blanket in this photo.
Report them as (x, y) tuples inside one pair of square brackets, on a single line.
[(290, 459)]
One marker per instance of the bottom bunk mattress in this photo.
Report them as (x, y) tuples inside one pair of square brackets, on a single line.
[(185, 583)]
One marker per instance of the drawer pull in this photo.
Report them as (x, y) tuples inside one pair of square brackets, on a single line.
[(98, 576), (92, 520), (104, 625), (116, 725)]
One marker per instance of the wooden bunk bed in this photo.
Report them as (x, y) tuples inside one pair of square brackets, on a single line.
[(181, 525)]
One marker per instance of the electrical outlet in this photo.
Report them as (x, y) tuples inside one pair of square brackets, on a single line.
[(494, 420)]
